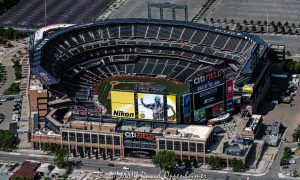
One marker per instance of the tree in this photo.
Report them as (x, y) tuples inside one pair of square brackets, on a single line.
[(286, 23), (227, 27), (7, 139), (296, 133), (218, 20), (290, 31), (253, 28), (297, 70), (96, 155), (50, 167), (295, 173), (195, 163), (212, 20), (293, 25), (245, 21), (262, 29), (251, 22), (89, 154), (279, 24), (236, 165), (296, 31), (246, 29), (265, 23), (205, 20), (179, 162), (74, 152), (272, 23), (225, 20), (214, 162), (111, 157), (165, 160), (232, 21), (60, 157), (187, 164), (259, 22), (81, 153)]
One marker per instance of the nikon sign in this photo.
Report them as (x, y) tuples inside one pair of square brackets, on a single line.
[(122, 104)]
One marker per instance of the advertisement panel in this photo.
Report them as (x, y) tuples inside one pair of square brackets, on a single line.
[(186, 104), (230, 104), (218, 108), (208, 97), (171, 107), (122, 104), (229, 89), (207, 80), (150, 106), (200, 114)]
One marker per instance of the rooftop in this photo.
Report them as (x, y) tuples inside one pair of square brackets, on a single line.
[(27, 170), (190, 131)]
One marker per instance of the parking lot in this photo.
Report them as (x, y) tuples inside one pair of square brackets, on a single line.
[(273, 10), (6, 109), (32, 13), (138, 9)]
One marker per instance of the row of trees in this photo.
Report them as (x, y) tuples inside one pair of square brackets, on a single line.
[(166, 161), (60, 154), (18, 69), (13, 89), (10, 34), (2, 73), (286, 156), (292, 66)]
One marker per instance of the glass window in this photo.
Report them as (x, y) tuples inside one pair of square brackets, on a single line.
[(72, 136), (177, 146), (79, 137), (64, 136), (116, 140), (109, 140), (101, 139), (200, 147), (192, 147), (94, 138), (87, 138), (162, 144), (169, 145), (185, 146)]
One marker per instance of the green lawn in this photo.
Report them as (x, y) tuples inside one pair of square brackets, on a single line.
[(130, 84)]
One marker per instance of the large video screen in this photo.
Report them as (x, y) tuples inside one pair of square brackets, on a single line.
[(208, 97), (122, 104), (151, 106), (171, 106)]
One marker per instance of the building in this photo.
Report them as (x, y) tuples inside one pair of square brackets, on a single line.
[(26, 171), (253, 126), (38, 98)]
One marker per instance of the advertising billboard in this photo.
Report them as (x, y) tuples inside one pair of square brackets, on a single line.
[(218, 108), (229, 89), (150, 106), (122, 104), (200, 114), (207, 80), (186, 104), (171, 107), (208, 97)]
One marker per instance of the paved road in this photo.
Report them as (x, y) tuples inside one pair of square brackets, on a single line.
[(93, 165)]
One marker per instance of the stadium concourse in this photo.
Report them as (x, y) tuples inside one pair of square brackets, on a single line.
[(218, 66)]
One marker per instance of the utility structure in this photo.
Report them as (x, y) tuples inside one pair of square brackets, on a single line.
[(163, 6)]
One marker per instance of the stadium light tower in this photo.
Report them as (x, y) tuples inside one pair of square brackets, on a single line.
[(45, 7)]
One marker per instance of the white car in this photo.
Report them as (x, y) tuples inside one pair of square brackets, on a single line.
[(125, 168)]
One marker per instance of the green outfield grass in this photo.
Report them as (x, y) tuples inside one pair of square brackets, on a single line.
[(129, 84)]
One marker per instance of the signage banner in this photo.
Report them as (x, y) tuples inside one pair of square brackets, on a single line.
[(229, 89), (151, 106), (230, 104), (186, 104), (171, 108), (200, 114), (207, 80), (122, 104), (140, 135), (218, 109)]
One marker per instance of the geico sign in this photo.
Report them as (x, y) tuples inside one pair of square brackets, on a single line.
[(139, 135), (207, 77)]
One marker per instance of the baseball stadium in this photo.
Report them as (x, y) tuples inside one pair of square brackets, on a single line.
[(142, 84)]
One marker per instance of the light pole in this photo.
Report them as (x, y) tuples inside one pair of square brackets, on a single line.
[(45, 7)]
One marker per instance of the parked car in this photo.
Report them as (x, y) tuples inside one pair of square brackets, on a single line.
[(111, 165), (286, 99), (125, 168)]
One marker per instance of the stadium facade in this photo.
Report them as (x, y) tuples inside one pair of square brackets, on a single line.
[(225, 70)]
